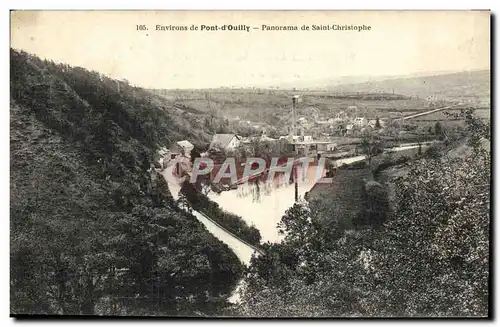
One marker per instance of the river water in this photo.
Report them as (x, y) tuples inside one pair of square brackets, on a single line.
[(264, 211)]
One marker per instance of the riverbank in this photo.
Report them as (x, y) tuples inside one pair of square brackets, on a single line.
[(266, 210)]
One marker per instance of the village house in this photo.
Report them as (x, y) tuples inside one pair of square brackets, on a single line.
[(359, 121), (182, 166), (163, 152), (373, 123), (182, 147), (349, 129), (324, 146), (312, 147), (306, 138), (227, 142), (165, 157), (339, 118)]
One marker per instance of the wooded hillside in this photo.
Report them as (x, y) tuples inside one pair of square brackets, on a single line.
[(93, 229)]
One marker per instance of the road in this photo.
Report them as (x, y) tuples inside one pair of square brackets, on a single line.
[(242, 249), (425, 113)]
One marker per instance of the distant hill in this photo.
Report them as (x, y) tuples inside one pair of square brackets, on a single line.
[(463, 85), (93, 229)]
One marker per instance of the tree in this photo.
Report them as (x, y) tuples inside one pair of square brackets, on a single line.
[(449, 238), (438, 129), (477, 129), (370, 146), (430, 258), (195, 153), (214, 109), (376, 209)]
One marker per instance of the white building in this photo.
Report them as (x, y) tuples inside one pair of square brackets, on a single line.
[(227, 142), (373, 122), (184, 147), (340, 117), (164, 152), (307, 138), (360, 121)]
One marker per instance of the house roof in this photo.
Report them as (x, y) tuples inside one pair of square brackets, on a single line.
[(222, 140), (163, 151), (185, 144)]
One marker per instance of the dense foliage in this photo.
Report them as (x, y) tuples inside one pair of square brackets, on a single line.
[(231, 222), (429, 258), (94, 230), (376, 206)]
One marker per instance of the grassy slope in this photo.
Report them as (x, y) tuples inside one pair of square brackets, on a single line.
[(344, 196)]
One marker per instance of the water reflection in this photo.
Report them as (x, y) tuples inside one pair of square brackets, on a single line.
[(263, 202)]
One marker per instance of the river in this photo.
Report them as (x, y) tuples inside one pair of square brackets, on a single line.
[(266, 211), (263, 212)]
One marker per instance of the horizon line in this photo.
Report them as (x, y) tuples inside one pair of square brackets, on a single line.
[(416, 74)]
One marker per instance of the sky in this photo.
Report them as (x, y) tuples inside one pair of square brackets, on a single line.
[(398, 43)]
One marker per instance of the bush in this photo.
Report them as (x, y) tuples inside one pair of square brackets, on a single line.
[(233, 223), (376, 205), (433, 152), (389, 162)]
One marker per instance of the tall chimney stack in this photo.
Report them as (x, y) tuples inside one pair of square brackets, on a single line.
[(294, 128)]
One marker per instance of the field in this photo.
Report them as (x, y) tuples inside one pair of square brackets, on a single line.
[(271, 109), (275, 106), (446, 118), (465, 86)]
